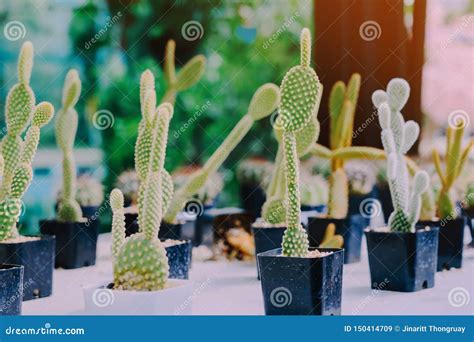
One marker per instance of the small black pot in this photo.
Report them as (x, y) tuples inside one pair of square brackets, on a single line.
[(350, 228), (11, 289), (301, 286), (179, 259), (37, 257), (131, 224), (252, 197), (91, 212), (385, 198), (404, 262), (469, 215), (356, 204), (203, 227), (451, 241), (167, 230), (76, 242)]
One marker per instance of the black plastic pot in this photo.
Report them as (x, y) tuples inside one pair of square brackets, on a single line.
[(179, 259), (451, 241), (385, 198), (355, 203), (167, 230), (11, 289), (301, 286), (37, 257), (469, 215), (131, 224), (266, 239), (404, 262), (252, 197), (350, 228), (203, 227), (76, 242), (90, 212)]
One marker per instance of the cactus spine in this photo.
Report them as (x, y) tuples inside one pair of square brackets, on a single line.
[(263, 103), (189, 74), (140, 260), (67, 119), (300, 97), (398, 137), (17, 154), (455, 160)]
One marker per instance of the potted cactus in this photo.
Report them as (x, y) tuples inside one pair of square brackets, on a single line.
[(361, 179), (402, 257), (251, 174), (187, 77), (35, 253), (89, 195), (11, 289), (140, 282), (314, 192), (76, 237), (449, 219), (296, 279)]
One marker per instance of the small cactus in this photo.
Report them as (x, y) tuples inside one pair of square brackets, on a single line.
[(300, 96), (141, 263), (398, 137), (67, 119), (17, 154), (330, 239), (456, 158), (263, 103)]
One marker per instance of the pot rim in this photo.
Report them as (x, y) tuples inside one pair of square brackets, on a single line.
[(271, 253), (42, 237), (180, 283), (5, 267), (370, 230)]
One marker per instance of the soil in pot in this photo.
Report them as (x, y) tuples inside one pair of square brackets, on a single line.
[(76, 242), (36, 255), (179, 258), (404, 262), (175, 299), (451, 241), (350, 228), (11, 289), (302, 286)]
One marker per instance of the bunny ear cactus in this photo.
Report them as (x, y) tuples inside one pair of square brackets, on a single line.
[(69, 209), (188, 76), (263, 103), (300, 94), (17, 154), (140, 260), (456, 158), (398, 137)]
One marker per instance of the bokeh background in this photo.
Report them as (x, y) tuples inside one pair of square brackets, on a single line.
[(246, 43)]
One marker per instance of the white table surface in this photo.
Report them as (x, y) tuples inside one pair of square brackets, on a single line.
[(232, 288)]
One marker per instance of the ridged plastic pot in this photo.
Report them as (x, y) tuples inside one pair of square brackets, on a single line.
[(176, 299), (404, 262), (350, 228), (11, 289), (76, 242), (451, 241), (252, 198), (179, 259), (266, 239), (301, 286), (37, 258)]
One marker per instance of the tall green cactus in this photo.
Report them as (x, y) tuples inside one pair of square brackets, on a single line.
[(263, 103), (455, 160), (67, 119), (300, 96), (398, 137), (189, 74), (140, 260), (17, 154)]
